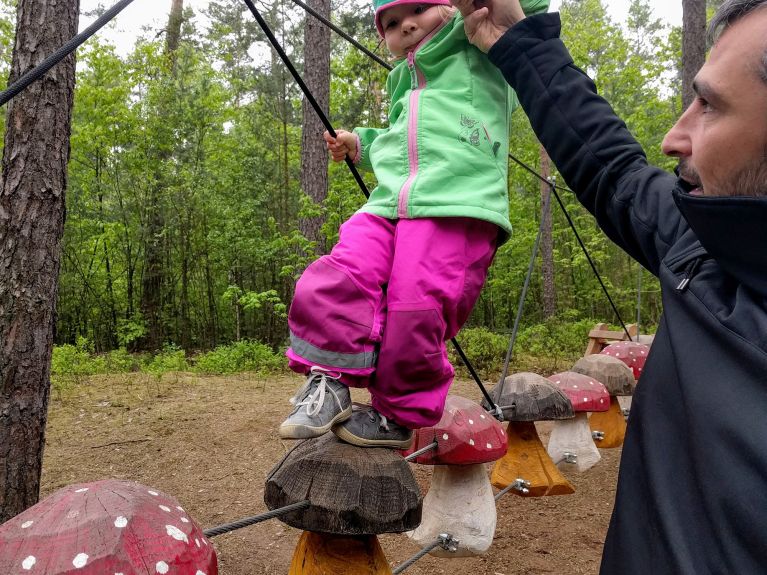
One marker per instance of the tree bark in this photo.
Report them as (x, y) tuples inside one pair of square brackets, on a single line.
[(547, 242), (153, 277), (693, 45), (314, 155), (32, 212)]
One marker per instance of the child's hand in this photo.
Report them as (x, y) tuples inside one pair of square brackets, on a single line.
[(343, 145)]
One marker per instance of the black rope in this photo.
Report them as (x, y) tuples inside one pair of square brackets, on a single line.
[(307, 94), (343, 34), (329, 127), (554, 189), (39, 71), (248, 521)]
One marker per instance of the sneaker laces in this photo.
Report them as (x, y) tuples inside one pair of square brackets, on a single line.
[(316, 399), (372, 414)]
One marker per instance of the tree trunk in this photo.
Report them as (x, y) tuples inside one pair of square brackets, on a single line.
[(32, 212), (152, 279), (693, 45), (314, 156), (547, 242)]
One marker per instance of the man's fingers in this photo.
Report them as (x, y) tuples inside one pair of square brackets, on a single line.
[(465, 7)]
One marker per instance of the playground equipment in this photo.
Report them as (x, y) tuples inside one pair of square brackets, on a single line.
[(102, 528), (574, 436), (609, 427), (526, 468), (460, 495)]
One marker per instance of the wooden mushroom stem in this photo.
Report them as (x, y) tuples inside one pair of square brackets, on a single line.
[(460, 500), (611, 423), (323, 553), (526, 458), (573, 436)]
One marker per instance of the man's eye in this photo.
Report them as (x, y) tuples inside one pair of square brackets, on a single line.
[(704, 104)]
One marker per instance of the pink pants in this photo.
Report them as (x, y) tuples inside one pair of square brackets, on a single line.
[(381, 306)]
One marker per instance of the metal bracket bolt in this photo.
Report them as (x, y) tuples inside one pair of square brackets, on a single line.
[(598, 435), (448, 542), (570, 458), (521, 485)]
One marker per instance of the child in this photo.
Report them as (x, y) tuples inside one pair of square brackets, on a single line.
[(410, 264)]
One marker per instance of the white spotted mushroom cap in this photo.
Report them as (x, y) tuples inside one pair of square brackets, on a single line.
[(632, 353), (466, 435), (585, 393), (105, 528)]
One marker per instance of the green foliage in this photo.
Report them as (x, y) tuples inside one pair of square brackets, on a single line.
[(486, 351), (71, 363), (171, 358), (239, 357), (562, 337)]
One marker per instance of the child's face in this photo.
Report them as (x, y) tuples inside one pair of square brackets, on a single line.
[(405, 25)]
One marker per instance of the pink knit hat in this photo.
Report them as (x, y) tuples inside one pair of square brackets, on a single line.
[(381, 5)]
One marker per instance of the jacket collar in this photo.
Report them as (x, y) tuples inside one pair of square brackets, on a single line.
[(733, 230)]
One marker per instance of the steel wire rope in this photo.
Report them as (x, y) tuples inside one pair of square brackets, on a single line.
[(310, 98), (70, 46)]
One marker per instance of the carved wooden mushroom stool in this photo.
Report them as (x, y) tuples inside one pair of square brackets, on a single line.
[(609, 427), (524, 399), (104, 528), (355, 494), (634, 355), (460, 500), (573, 437)]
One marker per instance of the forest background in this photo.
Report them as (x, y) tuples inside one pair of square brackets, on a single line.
[(183, 232)]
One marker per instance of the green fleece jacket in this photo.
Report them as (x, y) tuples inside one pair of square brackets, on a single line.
[(445, 151)]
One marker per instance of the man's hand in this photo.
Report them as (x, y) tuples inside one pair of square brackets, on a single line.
[(487, 20), (344, 144)]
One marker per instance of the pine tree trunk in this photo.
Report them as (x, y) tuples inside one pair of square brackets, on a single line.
[(314, 155), (547, 242), (152, 279), (693, 45), (31, 226)]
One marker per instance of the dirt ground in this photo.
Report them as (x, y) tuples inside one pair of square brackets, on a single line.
[(210, 442)]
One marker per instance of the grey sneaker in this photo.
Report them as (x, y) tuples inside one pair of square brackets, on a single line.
[(321, 402), (368, 428)]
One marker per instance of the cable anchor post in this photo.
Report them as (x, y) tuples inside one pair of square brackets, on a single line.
[(521, 485), (598, 435), (571, 458)]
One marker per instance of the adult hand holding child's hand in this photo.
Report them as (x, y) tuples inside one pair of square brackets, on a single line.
[(485, 21)]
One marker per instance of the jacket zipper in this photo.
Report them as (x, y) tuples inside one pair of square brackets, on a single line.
[(418, 80), (689, 272)]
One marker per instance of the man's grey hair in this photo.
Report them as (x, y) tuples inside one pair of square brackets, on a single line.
[(730, 12)]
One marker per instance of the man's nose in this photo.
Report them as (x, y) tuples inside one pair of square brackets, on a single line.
[(677, 142)]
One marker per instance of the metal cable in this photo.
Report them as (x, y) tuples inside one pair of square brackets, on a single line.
[(523, 295), (307, 94), (554, 189), (248, 521), (39, 71), (417, 557), (421, 451)]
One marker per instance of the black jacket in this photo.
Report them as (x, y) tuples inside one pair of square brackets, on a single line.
[(692, 488)]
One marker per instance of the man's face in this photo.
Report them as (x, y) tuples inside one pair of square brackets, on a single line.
[(721, 140)]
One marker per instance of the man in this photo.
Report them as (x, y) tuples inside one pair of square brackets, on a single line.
[(692, 489)]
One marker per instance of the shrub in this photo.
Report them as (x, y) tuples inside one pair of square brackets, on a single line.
[(485, 349), (240, 356), (171, 358)]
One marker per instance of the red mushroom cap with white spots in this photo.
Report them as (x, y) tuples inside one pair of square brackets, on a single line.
[(105, 528), (632, 353), (585, 393), (466, 435)]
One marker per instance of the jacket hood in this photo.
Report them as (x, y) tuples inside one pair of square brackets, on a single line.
[(733, 230)]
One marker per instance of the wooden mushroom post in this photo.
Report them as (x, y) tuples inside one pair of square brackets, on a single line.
[(354, 494), (103, 528), (460, 500), (524, 399), (573, 436), (634, 355), (609, 427)]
